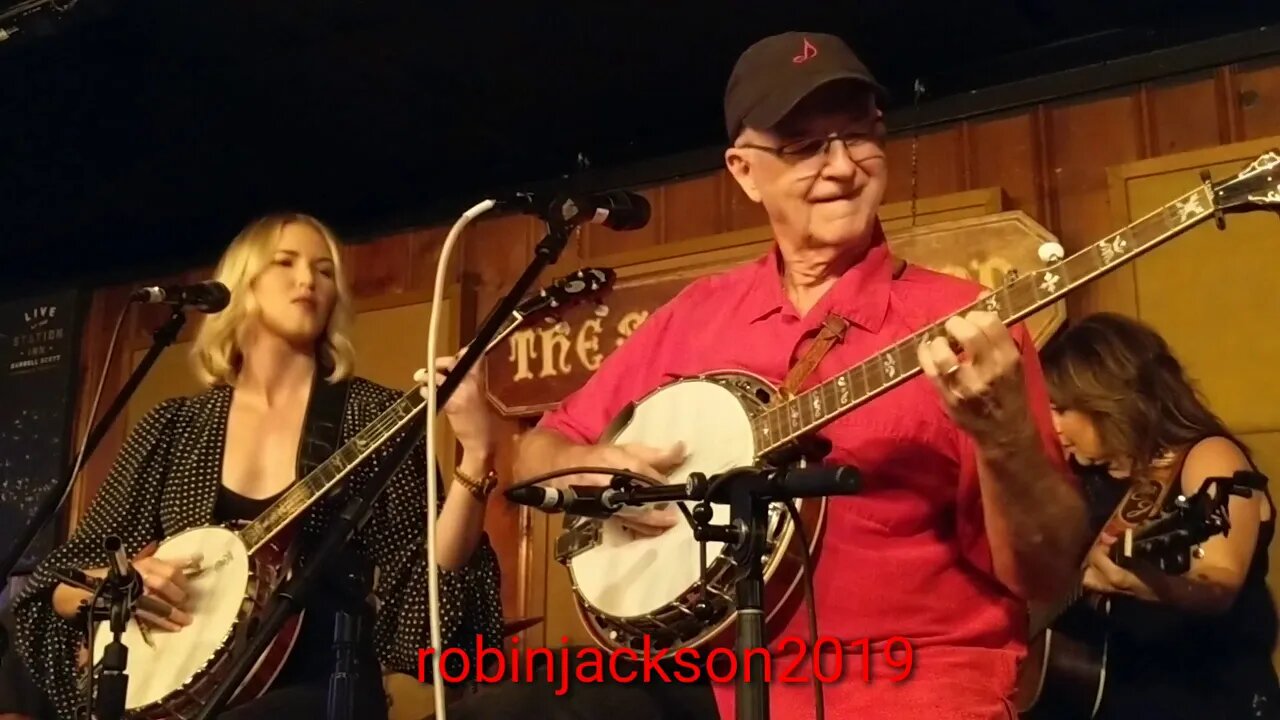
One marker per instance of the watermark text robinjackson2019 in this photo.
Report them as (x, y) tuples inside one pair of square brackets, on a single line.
[(796, 662)]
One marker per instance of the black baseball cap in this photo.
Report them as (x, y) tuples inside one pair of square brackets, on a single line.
[(776, 73)]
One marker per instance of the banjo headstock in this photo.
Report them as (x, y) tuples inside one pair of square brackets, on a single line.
[(579, 286), (1256, 187)]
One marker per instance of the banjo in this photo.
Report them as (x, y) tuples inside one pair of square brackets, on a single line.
[(171, 674), (637, 592)]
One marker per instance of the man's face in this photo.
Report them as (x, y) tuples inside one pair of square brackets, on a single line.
[(817, 190)]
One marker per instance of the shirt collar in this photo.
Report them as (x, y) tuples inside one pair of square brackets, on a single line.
[(860, 296)]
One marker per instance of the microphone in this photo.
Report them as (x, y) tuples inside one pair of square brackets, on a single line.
[(616, 210), (823, 480), (791, 484), (119, 561), (585, 500), (604, 501), (210, 296)]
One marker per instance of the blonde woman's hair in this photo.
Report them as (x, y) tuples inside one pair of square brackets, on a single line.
[(216, 353)]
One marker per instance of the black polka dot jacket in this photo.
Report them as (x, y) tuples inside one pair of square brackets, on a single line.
[(165, 480)]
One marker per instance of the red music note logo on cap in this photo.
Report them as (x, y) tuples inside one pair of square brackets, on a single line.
[(806, 54)]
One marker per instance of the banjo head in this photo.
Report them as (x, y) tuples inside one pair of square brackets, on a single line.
[(624, 575), (215, 602)]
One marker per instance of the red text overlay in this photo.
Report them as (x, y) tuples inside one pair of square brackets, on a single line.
[(794, 662)]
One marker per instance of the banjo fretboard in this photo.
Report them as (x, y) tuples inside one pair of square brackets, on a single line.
[(1013, 301)]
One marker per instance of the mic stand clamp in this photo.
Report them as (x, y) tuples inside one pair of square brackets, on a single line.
[(290, 598)]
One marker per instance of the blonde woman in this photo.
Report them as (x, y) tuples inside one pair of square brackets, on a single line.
[(279, 367)]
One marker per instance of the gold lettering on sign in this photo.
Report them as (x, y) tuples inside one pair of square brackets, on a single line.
[(628, 324), (555, 350), (588, 344), (523, 351), (560, 350), (991, 271)]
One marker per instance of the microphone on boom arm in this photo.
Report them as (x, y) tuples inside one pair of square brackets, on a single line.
[(780, 484), (210, 296), (616, 210)]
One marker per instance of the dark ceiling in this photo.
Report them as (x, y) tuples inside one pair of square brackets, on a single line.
[(142, 134)]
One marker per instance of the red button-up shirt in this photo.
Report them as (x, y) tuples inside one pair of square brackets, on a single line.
[(908, 555)]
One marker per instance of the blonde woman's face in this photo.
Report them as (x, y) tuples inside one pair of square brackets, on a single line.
[(297, 290)]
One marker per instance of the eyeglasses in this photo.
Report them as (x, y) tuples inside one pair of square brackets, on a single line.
[(860, 144)]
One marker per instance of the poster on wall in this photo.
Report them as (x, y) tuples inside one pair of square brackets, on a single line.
[(39, 369)]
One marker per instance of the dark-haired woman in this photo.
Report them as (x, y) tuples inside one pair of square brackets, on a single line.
[(1197, 645)]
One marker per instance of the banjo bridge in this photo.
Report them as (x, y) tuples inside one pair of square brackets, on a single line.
[(583, 535)]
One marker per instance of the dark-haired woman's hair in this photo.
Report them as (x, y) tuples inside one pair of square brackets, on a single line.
[(1121, 373)]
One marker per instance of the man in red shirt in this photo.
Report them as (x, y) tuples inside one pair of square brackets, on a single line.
[(966, 510)]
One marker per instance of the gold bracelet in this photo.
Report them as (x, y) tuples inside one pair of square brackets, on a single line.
[(478, 488)]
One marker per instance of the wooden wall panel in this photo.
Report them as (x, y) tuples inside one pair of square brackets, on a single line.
[(1083, 141), (1004, 152), (1050, 161), (1257, 95), (742, 213), (1169, 127), (940, 162), (100, 322), (385, 267), (694, 208)]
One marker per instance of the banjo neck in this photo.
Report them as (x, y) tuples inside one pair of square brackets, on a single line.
[(579, 286), (792, 418)]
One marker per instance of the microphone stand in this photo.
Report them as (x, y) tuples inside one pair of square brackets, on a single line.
[(119, 586), (291, 597), (161, 339), (748, 491), (746, 533), (347, 631)]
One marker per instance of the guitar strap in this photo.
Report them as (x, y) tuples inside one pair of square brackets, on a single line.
[(833, 329), (322, 428), (321, 438), (1144, 499)]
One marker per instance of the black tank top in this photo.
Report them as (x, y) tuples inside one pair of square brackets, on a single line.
[(311, 661), (1169, 663)]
